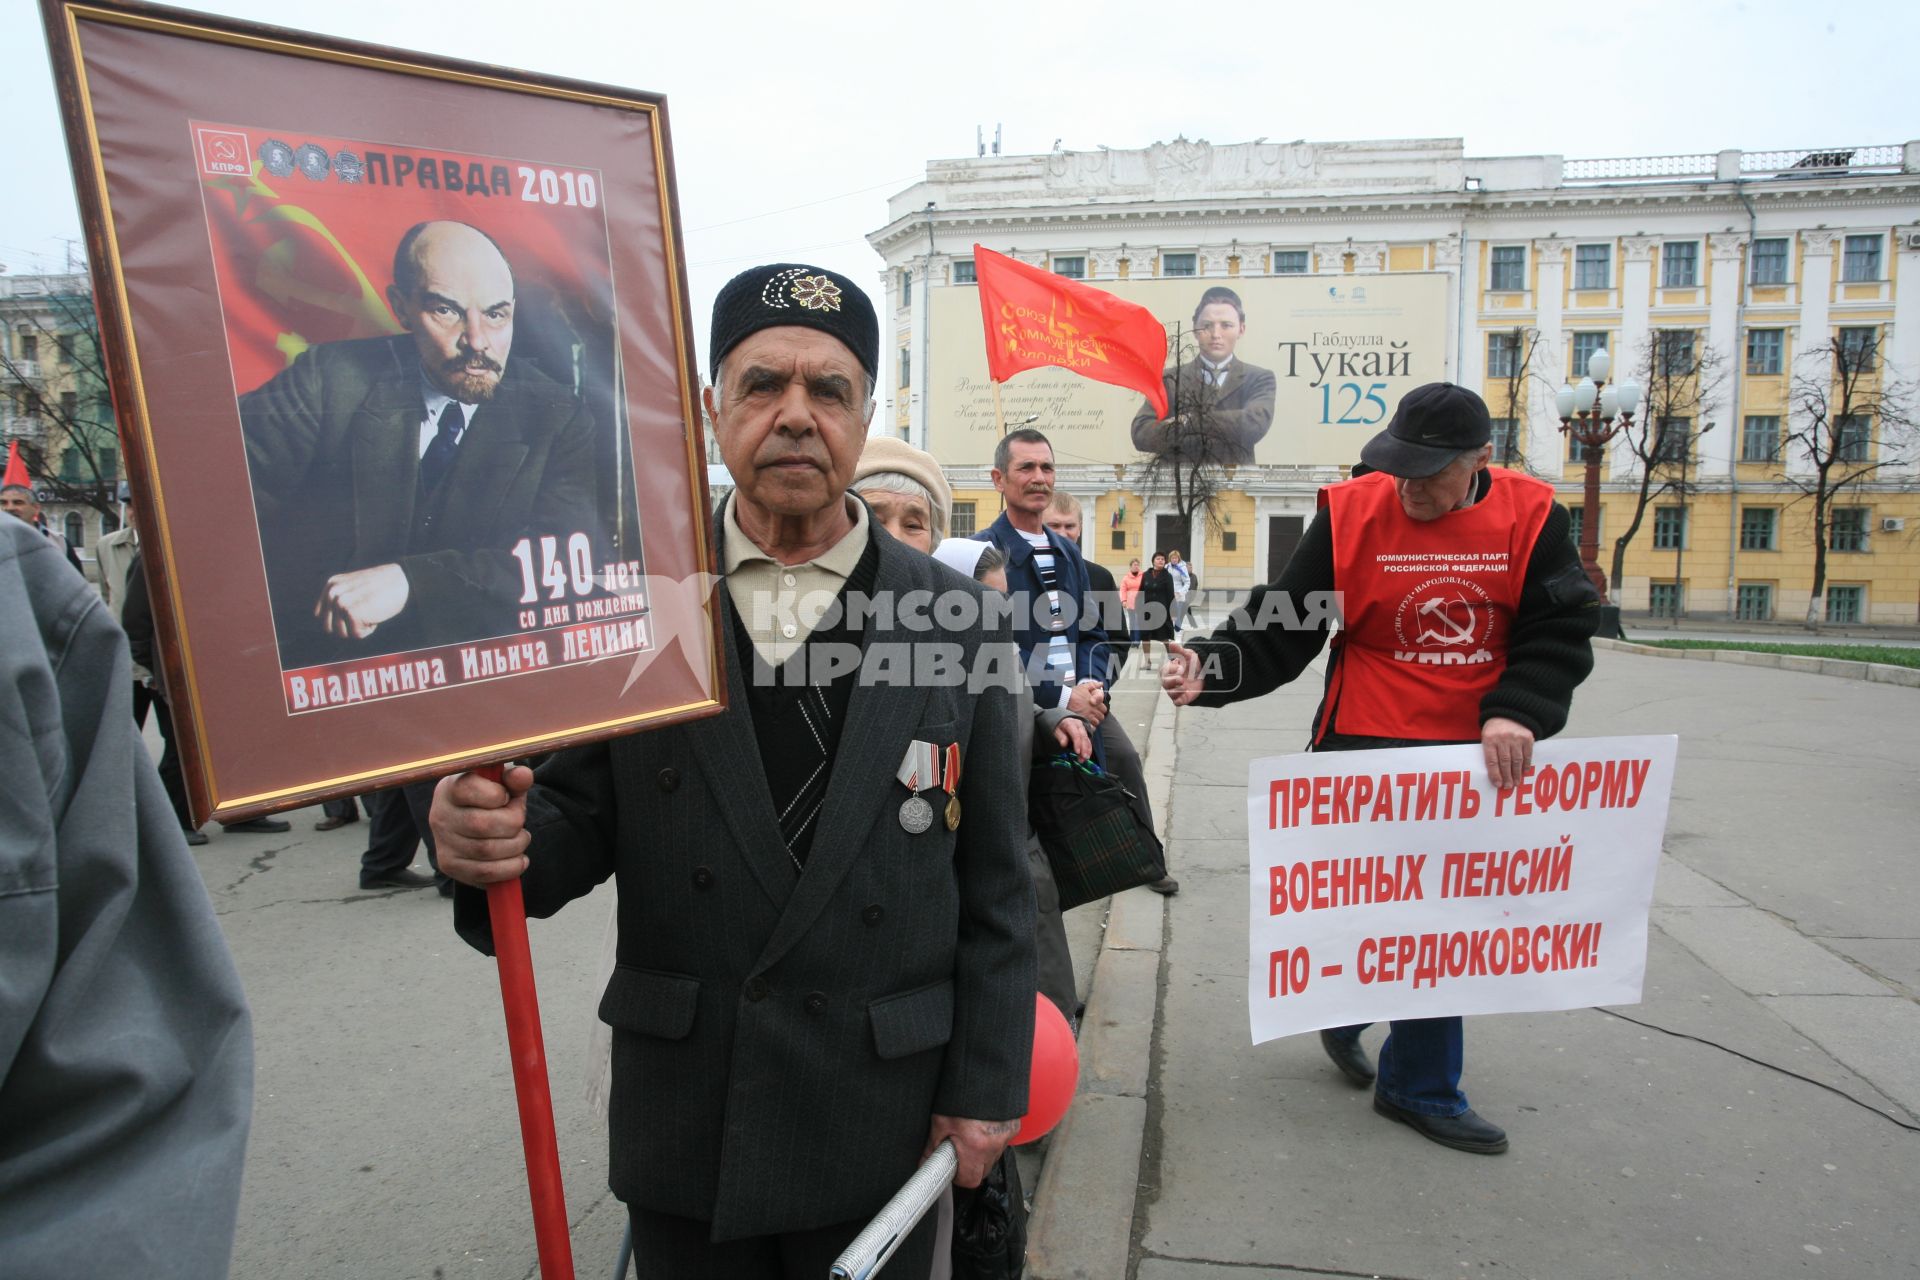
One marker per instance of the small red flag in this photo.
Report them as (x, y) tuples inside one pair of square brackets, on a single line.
[(16, 468), (1035, 318)]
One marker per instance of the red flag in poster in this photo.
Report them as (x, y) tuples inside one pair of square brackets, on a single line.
[(1035, 318)]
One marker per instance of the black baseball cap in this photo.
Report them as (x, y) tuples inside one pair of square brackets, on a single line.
[(1433, 425)]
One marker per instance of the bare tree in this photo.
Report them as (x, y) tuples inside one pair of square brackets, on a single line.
[(1681, 379), (1514, 371), (1850, 416), (76, 460), (1188, 468)]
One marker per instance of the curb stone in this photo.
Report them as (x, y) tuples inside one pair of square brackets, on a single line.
[(1846, 669), (1083, 1207)]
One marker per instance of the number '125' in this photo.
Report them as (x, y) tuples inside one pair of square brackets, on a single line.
[(1350, 415)]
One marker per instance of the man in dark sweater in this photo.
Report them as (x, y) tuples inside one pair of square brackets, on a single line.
[(818, 979), (1441, 641)]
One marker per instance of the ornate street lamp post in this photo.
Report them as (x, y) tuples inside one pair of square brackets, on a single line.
[(1593, 413)]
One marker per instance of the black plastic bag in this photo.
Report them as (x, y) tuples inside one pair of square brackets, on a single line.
[(1094, 842), (990, 1225)]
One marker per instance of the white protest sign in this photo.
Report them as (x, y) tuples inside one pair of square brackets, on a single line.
[(1400, 884)]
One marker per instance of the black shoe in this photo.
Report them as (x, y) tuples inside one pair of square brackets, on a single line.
[(404, 878), (334, 824), (194, 838), (1349, 1057), (258, 827), (1464, 1132), (1165, 886)]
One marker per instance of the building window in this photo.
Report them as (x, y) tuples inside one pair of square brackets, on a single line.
[(1675, 347), (1844, 603), (1179, 264), (1680, 264), (1577, 520), (962, 520), (29, 347), (1856, 347), (1847, 529), (65, 344), (1672, 439), (1072, 266), (1757, 525), (1229, 540), (73, 466), (906, 288), (1754, 602), (1760, 438), (1506, 439), (109, 460), (76, 530), (1503, 355), (1861, 261), (1288, 262), (963, 271), (70, 406), (1663, 599), (1669, 528), (1766, 349), (1576, 452), (1769, 263), (1119, 540), (1509, 268), (1584, 345), (1851, 434), (1592, 266), (906, 366)]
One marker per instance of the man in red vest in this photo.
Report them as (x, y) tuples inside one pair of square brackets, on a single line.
[(1465, 617)]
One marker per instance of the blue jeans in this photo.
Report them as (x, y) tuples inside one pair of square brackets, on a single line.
[(1419, 1064)]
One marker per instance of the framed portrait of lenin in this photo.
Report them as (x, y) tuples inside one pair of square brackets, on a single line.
[(400, 361)]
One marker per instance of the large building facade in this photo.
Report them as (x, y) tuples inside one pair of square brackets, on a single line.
[(1726, 284), (54, 403)]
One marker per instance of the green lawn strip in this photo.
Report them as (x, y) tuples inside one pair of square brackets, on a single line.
[(1889, 654)]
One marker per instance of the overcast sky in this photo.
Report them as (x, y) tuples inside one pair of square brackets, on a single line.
[(792, 124)]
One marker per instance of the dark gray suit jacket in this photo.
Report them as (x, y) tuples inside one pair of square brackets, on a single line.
[(782, 1041), (333, 447), (1236, 417)]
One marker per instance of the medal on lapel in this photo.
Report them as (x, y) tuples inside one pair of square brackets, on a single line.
[(919, 770), (952, 784)]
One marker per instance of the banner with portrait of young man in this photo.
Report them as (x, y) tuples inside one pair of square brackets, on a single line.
[(387, 334)]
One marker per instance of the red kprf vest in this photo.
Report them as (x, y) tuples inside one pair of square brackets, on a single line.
[(1426, 606)]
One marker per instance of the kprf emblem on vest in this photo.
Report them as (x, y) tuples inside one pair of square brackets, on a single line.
[(1444, 622)]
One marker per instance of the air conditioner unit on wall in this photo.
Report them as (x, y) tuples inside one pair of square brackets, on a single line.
[(1892, 524), (1913, 239)]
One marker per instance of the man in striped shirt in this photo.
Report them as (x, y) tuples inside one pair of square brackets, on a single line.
[(1064, 652)]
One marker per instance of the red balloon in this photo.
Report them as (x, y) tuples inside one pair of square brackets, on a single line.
[(1055, 1073)]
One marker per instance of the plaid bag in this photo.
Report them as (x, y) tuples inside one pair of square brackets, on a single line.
[(1086, 825)]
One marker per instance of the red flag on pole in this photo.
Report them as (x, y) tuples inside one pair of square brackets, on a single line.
[(1035, 318), (16, 468)]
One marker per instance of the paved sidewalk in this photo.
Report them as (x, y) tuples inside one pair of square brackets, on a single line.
[(1697, 1134)]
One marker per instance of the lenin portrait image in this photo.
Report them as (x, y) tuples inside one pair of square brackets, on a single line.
[(425, 363), (393, 476), (1218, 406)]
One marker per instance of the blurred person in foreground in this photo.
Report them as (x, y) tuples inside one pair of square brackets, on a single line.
[(126, 1048), (1519, 644)]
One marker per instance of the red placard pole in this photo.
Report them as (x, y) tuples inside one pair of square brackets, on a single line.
[(507, 910)]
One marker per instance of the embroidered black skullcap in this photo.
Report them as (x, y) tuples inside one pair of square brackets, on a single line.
[(791, 293)]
